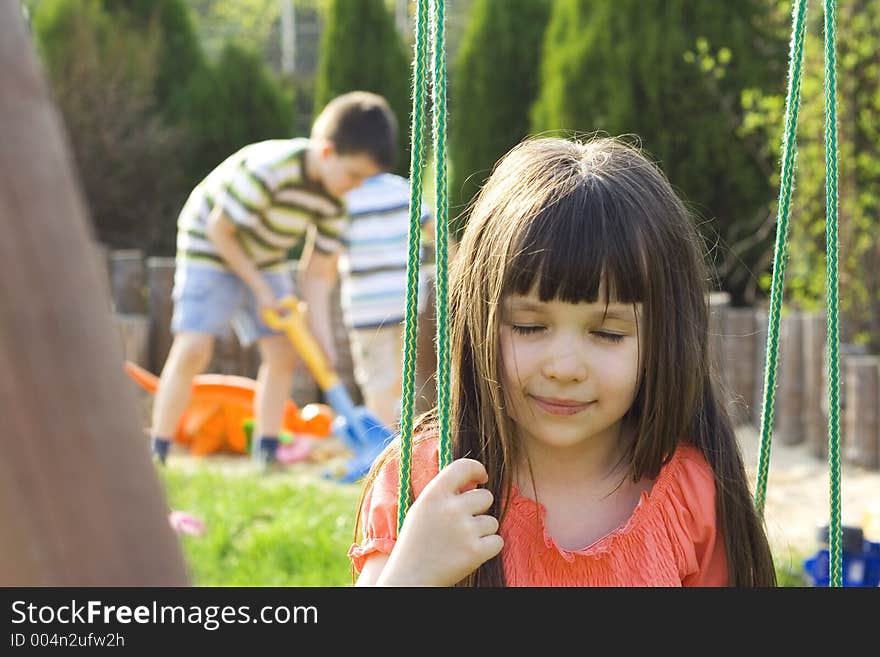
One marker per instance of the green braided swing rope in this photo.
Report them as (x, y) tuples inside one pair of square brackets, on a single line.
[(412, 282), (831, 220), (789, 148), (438, 47), (438, 34)]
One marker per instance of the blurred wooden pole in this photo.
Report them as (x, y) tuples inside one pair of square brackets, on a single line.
[(789, 429), (160, 308), (815, 337), (738, 356), (862, 413), (80, 503), (128, 281)]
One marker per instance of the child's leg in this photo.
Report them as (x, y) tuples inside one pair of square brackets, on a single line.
[(277, 362), (273, 386), (378, 359), (204, 300), (189, 355)]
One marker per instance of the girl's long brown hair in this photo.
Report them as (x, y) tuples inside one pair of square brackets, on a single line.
[(568, 215)]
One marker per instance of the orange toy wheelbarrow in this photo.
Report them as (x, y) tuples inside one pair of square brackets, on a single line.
[(221, 404)]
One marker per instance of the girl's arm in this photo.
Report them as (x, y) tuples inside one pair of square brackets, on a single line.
[(372, 570), (446, 535)]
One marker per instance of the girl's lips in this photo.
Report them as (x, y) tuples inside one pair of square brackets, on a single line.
[(559, 406)]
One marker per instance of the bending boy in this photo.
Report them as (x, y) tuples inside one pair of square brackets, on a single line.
[(234, 233)]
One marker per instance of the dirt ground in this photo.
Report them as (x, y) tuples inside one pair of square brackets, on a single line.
[(798, 495)]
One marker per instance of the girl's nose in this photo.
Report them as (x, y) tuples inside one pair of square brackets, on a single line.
[(564, 362)]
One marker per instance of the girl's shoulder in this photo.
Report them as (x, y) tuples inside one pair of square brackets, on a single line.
[(688, 477), (685, 487), (688, 468)]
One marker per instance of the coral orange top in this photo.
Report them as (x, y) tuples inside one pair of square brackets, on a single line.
[(671, 539)]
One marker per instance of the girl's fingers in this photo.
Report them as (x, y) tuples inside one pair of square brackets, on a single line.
[(486, 525), (476, 500), (490, 546), (459, 475)]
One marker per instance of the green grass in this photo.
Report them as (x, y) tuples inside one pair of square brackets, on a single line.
[(288, 529), (274, 530), (790, 568)]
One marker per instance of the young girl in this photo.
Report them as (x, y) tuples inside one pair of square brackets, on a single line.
[(592, 447)]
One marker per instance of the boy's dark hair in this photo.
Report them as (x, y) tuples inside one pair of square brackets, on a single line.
[(360, 122)]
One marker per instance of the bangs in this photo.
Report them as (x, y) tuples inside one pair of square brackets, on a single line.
[(578, 243)]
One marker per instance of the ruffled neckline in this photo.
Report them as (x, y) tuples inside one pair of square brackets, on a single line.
[(527, 508)]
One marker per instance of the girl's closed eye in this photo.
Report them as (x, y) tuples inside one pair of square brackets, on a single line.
[(526, 329), (609, 336)]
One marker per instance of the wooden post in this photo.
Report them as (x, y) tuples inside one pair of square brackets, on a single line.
[(847, 350), (80, 503), (225, 356), (128, 281), (719, 302), (102, 256), (814, 336), (160, 282), (249, 361), (134, 332), (789, 428), (738, 358), (760, 357), (862, 414)]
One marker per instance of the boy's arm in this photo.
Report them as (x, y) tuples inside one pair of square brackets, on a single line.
[(316, 283), (221, 232)]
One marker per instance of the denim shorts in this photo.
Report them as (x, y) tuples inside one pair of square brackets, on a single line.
[(211, 300)]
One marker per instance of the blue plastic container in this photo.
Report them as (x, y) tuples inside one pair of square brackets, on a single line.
[(861, 560)]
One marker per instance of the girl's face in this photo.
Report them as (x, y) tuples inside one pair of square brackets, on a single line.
[(571, 370)]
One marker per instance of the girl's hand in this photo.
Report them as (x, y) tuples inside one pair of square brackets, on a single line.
[(446, 534)]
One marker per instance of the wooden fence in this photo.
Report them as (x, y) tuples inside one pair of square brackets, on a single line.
[(140, 290), (739, 337), (140, 294)]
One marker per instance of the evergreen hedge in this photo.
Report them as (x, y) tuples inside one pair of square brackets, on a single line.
[(362, 50), (494, 81), (672, 72)]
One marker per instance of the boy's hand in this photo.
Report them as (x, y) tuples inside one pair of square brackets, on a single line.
[(446, 534), (266, 300)]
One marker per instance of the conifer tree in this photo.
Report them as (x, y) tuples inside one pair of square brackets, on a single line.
[(493, 83), (362, 50), (670, 72)]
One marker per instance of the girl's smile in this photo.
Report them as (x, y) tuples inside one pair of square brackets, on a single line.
[(556, 406)]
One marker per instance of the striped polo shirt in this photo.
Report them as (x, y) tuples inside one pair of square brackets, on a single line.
[(264, 191), (373, 266)]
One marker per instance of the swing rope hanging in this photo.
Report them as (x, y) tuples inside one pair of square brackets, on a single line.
[(789, 151), (436, 23)]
